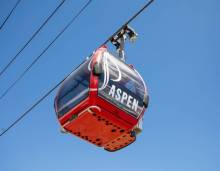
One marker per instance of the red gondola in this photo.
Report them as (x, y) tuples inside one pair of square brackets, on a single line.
[(103, 101)]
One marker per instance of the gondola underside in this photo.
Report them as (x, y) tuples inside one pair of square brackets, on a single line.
[(94, 126)]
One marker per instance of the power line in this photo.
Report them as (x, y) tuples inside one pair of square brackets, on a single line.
[(45, 49), (130, 20), (51, 90), (30, 109), (32, 37), (6, 19)]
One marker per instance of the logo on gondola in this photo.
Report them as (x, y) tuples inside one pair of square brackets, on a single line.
[(113, 91)]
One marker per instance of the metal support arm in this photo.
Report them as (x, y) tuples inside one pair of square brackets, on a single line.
[(119, 40)]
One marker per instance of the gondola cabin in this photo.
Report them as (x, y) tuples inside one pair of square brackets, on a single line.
[(102, 101)]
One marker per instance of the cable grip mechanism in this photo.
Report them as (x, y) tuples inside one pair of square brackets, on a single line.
[(119, 40)]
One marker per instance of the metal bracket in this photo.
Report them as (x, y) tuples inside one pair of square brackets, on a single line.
[(119, 40)]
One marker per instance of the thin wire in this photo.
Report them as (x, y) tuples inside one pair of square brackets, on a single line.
[(130, 20), (45, 49), (6, 19), (31, 108), (51, 90), (32, 37)]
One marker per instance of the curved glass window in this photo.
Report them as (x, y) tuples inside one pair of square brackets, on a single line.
[(74, 89), (121, 85)]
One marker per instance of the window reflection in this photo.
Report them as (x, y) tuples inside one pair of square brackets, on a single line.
[(74, 89)]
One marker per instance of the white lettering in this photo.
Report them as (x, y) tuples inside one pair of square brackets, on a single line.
[(124, 97), (112, 91), (135, 105), (129, 101), (118, 94)]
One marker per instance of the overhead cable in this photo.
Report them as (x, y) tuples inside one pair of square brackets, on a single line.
[(12, 10), (44, 50), (31, 38)]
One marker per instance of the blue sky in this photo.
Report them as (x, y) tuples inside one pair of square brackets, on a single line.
[(177, 53)]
